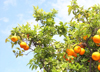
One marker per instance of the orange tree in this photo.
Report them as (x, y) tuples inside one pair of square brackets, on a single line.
[(81, 47)]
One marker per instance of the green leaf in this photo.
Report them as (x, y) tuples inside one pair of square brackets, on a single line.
[(12, 45), (35, 67), (14, 51), (32, 67), (23, 50), (16, 55), (6, 40), (69, 10), (17, 48)]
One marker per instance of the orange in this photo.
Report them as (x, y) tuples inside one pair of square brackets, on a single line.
[(75, 54), (26, 48), (95, 56), (98, 44), (72, 58), (99, 61), (99, 67), (77, 49), (70, 51), (98, 31), (82, 51), (85, 37), (23, 44), (96, 38), (81, 45), (14, 38), (66, 59)]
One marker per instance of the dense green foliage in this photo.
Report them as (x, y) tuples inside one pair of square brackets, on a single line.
[(48, 53)]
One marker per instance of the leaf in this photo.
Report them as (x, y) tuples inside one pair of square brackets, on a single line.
[(35, 67), (14, 51), (16, 55), (23, 51), (12, 45), (32, 67), (6, 40), (19, 53), (79, 15), (69, 10), (18, 48)]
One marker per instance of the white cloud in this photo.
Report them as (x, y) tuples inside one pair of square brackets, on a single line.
[(8, 2), (20, 16), (42, 1), (88, 3), (61, 6), (4, 19)]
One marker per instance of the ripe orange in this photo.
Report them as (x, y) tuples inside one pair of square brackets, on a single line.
[(70, 51), (85, 37), (95, 56), (72, 58), (98, 44), (96, 38), (81, 45), (23, 44), (99, 67), (77, 49), (75, 54), (66, 59), (99, 61), (26, 48), (98, 31), (14, 38), (82, 51)]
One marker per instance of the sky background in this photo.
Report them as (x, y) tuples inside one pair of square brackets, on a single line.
[(14, 12)]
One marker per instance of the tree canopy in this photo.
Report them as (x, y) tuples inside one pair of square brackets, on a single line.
[(54, 56)]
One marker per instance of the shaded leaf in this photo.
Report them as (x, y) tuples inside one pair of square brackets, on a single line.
[(14, 51)]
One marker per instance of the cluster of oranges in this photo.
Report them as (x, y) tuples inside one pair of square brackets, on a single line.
[(22, 44), (73, 52), (96, 39), (96, 55)]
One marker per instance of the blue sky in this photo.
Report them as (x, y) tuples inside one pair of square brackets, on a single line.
[(14, 12)]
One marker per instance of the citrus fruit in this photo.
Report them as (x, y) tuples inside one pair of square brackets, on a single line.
[(75, 54), (99, 67), (14, 38), (70, 51), (85, 37), (77, 49), (23, 44), (26, 48), (95, 56), (96, 38), (98, 31), (82, 51)]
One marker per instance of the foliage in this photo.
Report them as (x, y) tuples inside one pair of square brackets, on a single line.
[(49, 52)]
